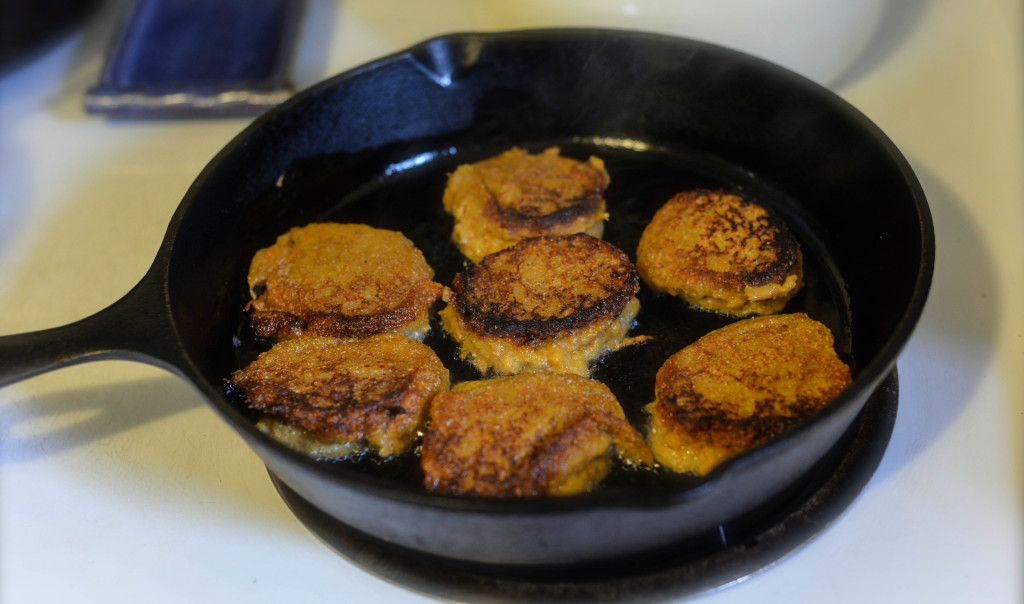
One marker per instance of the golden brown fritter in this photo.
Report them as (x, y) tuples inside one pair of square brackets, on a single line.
[(721, 252), (525, 436), (331, 397), (499, 201), (740, 385), (550, 303), (342, 280)]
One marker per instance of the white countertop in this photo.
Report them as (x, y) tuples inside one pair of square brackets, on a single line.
[(119, 484)]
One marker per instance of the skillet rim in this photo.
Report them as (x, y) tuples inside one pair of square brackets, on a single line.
[(867, 377)]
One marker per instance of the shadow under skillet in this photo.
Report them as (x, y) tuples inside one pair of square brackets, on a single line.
[(733, 554), (958, 331)]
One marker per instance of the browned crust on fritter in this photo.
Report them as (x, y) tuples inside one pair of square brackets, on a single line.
[(376, 389), (339, 280), (535, 193), (503, 199), (526, 435), (545, 286), (740, 385), (273, 323), (718, 249)]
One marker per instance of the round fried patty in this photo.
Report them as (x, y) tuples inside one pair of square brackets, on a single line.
[(374, 389), (544, 286), (721, 252), (526, 435), (740, 385), (504, 199), (341, 280)]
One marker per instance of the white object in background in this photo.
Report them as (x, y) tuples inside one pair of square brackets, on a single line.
[(819, 39)]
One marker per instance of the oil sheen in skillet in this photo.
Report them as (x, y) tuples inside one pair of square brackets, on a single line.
[(406, 196)]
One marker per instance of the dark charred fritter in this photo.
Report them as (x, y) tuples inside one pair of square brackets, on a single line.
[(526, 436), (550, 303), (330, 397), (341, 280), (499, 201), (721, 252), (740, 385)]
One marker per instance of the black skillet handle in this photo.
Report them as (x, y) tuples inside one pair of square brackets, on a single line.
[(137, 327)]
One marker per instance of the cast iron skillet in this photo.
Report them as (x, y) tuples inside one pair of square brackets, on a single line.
[(375, 144)]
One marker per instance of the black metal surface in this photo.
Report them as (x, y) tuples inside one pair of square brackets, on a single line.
[(340, 147), (727, 556)]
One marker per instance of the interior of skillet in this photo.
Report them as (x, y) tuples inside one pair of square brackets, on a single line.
[(375, 145), (406, 197)]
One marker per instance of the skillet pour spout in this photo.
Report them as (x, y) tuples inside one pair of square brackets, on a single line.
[(375, 145)]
